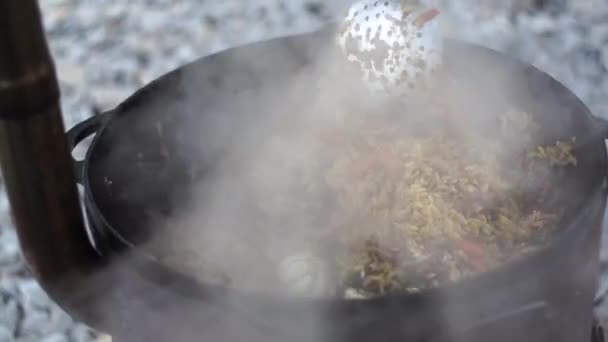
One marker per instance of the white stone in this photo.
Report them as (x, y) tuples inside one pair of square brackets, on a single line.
[(34, 323), (33, 295), (9, 314), (6, 335), (110, 97), (55, 337), (59, 319), (73, 75), (541, 24), (9, 246)]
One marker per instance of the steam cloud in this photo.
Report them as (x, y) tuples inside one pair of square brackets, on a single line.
[(268, 156)]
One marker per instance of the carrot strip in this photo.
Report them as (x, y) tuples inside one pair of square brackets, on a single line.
[(426, 17)]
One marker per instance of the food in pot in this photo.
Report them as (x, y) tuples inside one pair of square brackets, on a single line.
[(394, 46), (414, 212), (368, 207)]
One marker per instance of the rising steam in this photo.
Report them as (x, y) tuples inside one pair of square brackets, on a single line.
[(262, 201)]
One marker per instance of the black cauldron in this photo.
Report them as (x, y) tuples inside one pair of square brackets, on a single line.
[(545, 297)]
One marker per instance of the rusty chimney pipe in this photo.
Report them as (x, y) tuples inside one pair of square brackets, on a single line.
[(34, 157)]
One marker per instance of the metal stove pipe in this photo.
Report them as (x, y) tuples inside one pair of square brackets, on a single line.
[(34, 157)]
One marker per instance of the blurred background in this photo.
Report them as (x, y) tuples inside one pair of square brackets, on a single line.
[(107, 49)]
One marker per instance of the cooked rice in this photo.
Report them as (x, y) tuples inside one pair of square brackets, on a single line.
[(394, 212)]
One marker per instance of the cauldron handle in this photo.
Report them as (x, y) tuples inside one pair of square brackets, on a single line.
[(81, 131)]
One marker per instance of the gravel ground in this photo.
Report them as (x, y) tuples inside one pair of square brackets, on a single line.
[(106, 49)]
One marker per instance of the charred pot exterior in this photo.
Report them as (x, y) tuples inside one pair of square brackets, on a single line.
[(395, 49)]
